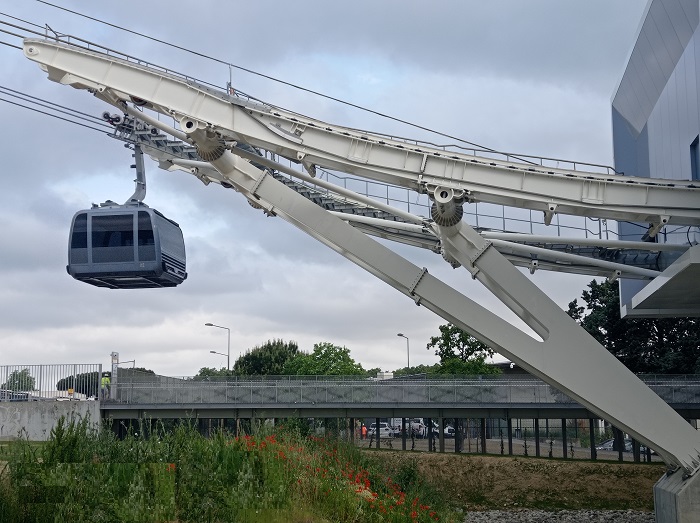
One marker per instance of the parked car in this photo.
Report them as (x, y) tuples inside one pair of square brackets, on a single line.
[(420, 429), (609, 444), (13, 395), (449, 431), (605, 445), (385, 431)]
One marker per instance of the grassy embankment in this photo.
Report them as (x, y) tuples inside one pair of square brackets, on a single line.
[(180, 476), (476, 482)]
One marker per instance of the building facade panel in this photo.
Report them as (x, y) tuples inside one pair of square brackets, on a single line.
[(656, 125)]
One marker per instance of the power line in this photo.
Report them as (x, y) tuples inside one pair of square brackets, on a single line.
[(10, 45), (50, 105), (274, 79), (21, 20), (54, 116)]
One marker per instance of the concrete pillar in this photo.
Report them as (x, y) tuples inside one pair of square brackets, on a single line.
[(483, 435), (591, 435), (677, 499), (441, 435), (537, 437)]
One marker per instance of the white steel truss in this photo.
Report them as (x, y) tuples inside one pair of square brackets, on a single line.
[(565, 356)]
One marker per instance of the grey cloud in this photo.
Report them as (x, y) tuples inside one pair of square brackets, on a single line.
[(534, 77)]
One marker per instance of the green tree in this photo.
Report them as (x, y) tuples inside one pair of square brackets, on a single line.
[(142, 370), (211, 372), (326, 359), (643, 345), (87, 383), (460, 352), (19, 380), (418, 369), (267, 359), (475, 366)]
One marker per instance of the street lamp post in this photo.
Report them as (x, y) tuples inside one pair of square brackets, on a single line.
[(408, 352), (219, 353), (228, 352)]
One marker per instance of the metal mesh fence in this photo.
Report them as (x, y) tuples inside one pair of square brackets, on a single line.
[(135, 387), (70, 381)]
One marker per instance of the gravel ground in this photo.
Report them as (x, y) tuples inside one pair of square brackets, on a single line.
[(568, 516)]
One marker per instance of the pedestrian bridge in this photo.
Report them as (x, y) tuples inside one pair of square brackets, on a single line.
[(134, 395)]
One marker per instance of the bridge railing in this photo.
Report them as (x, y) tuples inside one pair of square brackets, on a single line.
[(64, 381), (82, 382), (312, 390)]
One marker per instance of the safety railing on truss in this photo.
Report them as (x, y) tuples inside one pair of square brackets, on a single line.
[(56, 382), (318, 390), (481, 216)]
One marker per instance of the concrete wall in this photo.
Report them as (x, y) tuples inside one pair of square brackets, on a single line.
[(35, 419)]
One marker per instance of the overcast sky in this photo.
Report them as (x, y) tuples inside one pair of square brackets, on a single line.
[(531, 77)]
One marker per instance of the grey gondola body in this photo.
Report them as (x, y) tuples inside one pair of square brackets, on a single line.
[(126, 247)]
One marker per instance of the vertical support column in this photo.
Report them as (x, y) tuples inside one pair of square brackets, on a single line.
[(429, 433), (403, 433), (114, 378), (563, 438), (458, 436), (591, 436), (510, 436), (352, 430), (635, 451), (377, 432), (483, 435), (441, 435), (620, 442), (537, 437)]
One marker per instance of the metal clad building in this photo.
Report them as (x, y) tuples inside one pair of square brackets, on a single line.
[(655, 117)]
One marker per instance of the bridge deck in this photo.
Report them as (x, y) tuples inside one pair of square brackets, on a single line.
[(489, 397)]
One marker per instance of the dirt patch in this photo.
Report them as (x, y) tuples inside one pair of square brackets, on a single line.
[(482, 482)]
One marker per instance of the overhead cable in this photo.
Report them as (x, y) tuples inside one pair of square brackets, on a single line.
[(274, 79), (56, 116)]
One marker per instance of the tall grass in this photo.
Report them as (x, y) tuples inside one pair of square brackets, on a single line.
[(157, 475)]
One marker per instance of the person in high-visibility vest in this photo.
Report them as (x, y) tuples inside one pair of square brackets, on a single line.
[(106, 382)]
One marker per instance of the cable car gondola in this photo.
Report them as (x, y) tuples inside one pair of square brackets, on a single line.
[(126, 247), (129, 246)]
